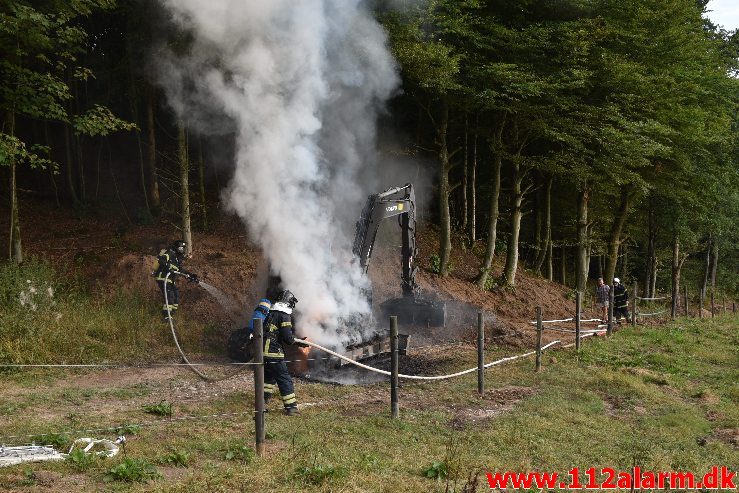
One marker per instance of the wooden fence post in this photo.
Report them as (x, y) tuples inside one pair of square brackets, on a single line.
[(578, 318), (713, 307), (480, 354), (259, 434), (539, 330), (701, 294), (394, 408)]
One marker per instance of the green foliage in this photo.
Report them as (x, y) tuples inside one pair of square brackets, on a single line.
[(47, 317), (162, 408), (132, 470), (435, 263), (81, 461), (437, 470), (318, 474), (56, 440), (240, 453), (177, 458), (99, 121), (128, 430)]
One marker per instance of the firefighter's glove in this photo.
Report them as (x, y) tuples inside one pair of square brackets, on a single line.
[(193, 278)]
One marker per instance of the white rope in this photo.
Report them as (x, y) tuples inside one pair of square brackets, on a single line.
[(571, 319), (573, 331), (652, 314), (652, 299), (174, 334), (553, 321), (418, 377)]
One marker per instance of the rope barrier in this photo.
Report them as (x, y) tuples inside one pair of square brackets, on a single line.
[(571, 319), (553, 321), (652, 314), (652, 299), (418, 377), (572, 331)]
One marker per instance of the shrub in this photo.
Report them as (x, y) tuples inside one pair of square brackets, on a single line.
[(317, 474), (133, 470), (164, 408), (241, 453), (437, 470), (81, 461), (176, 458)]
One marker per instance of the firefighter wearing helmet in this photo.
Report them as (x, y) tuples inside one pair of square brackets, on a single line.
[(169, 268), (280, 331)]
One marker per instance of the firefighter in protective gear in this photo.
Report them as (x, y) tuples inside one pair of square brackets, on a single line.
[(620, 300), (170, 263), (279, 330)]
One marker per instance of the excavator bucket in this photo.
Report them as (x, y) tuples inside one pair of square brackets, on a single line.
[(415, 312)]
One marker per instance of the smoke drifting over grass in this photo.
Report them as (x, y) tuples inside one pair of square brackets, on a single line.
[(299, 83)]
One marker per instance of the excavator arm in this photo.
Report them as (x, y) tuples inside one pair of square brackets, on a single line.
[(398, 201), (401, 202)]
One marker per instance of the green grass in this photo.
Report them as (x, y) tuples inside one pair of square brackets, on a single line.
[(660, 397), (49, 317)]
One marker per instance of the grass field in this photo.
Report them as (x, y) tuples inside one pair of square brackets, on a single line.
[(664, 398)]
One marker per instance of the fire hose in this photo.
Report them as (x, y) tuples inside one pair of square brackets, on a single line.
[(418, 377), (174, 334)]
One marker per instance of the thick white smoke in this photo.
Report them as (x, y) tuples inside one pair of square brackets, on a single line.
[(301, 82)]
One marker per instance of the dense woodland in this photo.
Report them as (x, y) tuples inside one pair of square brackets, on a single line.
[(575, 138)]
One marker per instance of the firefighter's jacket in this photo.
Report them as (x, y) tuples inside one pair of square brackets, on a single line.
[(620, 296), (170, 262), (279, 331)]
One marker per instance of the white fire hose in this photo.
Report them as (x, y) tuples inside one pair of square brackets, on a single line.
[(418, 377), (174, 334)]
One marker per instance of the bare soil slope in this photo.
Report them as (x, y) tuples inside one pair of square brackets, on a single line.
[(112, 255)]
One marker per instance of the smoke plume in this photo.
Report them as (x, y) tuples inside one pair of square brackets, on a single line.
[(299, 83)]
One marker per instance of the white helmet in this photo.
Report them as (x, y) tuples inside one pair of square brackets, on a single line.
[(616, 280)]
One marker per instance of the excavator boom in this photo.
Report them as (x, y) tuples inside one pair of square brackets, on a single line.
[(411, 309)]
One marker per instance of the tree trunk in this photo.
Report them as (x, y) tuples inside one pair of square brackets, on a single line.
[(445, 227), (563, 266), (581, 267), (653, 286), (714, 262), (184, 185), (15, 247), (614, 239), (47, 141), (511, 261), (544, 252), (473, 187), (154, 199), (201, 183), (651, 269), (538, 213), (77, 140), (706, 266), (677, 264), (625, 260), (550, 255), (142, 172), (492, 222), (464, 173), (70, 171)]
